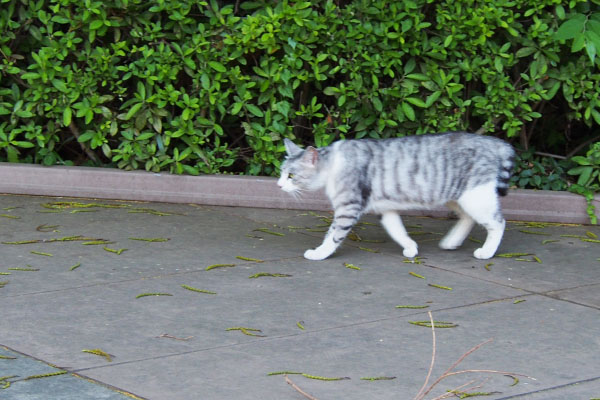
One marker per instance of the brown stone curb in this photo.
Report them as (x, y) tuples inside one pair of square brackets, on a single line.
[(243, 191)]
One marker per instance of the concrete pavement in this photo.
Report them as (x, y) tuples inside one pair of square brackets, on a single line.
[(76, 276)]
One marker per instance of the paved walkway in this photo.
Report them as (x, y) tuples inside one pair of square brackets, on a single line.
[(66, 295)]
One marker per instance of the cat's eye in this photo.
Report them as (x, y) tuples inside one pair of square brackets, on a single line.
[(290, 176)]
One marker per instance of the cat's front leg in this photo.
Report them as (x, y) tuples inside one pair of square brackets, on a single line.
[(322, 252), (340, 227)]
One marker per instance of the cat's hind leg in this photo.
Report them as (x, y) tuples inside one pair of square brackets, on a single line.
[(392, 223), (481, 203), (459, 232), (343, 221)]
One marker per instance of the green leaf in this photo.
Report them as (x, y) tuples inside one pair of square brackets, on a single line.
[(592, 43), (292, 42), (185, 115), (96, 24), (410, 64), (133, 110), (60, 19), (377, 104), (254, 110), (322, 57), (560, 11), (30, 75), (205, 121), (26, 145), (418, 77), (67, 114), (578, 44), (571, 28), (12, 153), (590, 49), (551, 92), (417, 102), (34, 31), (596, 115), (283, 107), (145, 136), (525, 51), (85, 137), (584, 176), (236, 108), (593, 26), (286, 91), (448, 41), (217, 66), (498, 64), (24, 113), (408, 111), (205, 80), (581, 161), (432, 98), (375, 80), (60, 85), (189, 63), (106, 150)]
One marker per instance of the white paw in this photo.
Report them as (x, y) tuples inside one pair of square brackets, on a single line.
[(482, 254), (315, 255), (410, 252)]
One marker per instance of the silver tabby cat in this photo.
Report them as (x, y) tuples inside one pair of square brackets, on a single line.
[(465, 172)]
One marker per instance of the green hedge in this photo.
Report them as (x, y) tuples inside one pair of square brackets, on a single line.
[(206, 87)]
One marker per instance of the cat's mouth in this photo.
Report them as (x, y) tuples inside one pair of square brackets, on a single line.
[(290, 188)]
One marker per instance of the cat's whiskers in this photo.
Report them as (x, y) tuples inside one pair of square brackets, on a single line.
[(297, 193)]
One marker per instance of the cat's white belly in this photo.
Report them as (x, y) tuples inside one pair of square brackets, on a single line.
[(382, 206)]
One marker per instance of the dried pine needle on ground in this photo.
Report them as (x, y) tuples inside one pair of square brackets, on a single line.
[(99, 352)]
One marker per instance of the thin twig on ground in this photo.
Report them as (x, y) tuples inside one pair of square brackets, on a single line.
[(296, 388), (432, 358), (425, 390)]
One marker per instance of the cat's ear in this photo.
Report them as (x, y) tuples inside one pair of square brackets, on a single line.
[(291, 148), (311, 156)]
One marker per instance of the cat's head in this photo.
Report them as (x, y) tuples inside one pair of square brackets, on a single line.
[(300, 170)]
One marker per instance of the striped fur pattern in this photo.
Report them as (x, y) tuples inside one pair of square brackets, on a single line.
[(465, 172)]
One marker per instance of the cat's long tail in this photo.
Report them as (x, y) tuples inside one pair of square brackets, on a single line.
[(507, 162)]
